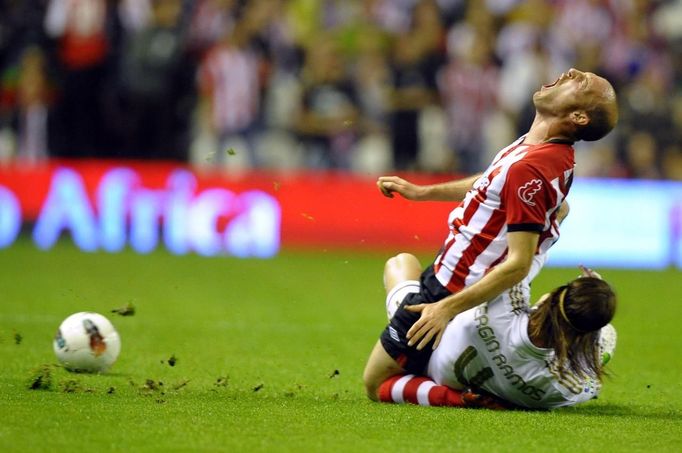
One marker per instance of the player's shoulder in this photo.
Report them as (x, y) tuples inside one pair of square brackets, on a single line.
[(546, 159), (549, 150)]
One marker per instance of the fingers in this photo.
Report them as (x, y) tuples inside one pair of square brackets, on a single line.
[(587, 272), (417, 335), (390, 184), (385, 188), (389, 179), (425, 340), (424, 335), (438, 337), (415, 309), (417, 330), (421, 331)]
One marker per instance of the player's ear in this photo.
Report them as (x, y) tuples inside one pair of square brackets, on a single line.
[(579, 118)]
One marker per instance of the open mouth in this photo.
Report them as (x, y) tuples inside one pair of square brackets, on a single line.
[(550, 85)]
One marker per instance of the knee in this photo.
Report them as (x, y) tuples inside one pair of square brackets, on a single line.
[(402, 261), (399, 268), (391, 263), (371, 387)]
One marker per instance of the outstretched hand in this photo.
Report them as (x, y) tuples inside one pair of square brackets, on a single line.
[(394, 184), (587, 272), (430, 325)]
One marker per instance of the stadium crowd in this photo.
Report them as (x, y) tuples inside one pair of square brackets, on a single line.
[(360, 85)]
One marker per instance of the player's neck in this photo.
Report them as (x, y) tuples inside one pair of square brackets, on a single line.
[(546, 130)]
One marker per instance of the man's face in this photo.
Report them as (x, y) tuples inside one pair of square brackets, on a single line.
[(573, 90)]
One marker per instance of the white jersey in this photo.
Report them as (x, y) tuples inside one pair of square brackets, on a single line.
[(488, 347)]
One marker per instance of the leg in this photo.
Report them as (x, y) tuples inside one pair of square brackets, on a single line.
[(381, 366), (386, 381), (401, 267)]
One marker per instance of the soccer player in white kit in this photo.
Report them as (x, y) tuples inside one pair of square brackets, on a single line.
[(542, 358)]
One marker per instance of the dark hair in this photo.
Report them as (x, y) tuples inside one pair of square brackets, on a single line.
[(599, 125), (570, 320)]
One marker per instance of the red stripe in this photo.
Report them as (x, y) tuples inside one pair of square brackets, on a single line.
[(478, 244), (509, 151), (441, 395), (472, 251), (449, 243), (385, 388), (410, 390), (481, 240)]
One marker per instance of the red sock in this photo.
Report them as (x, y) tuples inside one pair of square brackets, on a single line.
[(408, 388)]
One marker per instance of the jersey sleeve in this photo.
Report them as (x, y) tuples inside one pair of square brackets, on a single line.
[(584, 390), (527, 198)]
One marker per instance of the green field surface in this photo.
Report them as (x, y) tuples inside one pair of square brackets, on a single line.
[(268, 356)]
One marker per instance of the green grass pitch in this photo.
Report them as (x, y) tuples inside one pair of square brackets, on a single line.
[(269, 357)]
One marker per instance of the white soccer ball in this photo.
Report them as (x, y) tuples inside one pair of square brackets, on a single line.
[(607, 343), (86, 342)]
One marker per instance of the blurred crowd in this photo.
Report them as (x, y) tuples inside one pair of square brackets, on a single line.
[(359, 85)]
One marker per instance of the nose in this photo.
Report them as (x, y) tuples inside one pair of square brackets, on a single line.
[(573, 72)]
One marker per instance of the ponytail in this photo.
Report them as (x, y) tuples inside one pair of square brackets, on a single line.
[(569, 322)]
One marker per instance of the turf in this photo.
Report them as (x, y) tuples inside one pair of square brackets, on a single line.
[(269, 356)]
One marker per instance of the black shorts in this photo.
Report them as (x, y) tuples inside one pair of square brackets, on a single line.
[(394, 340)]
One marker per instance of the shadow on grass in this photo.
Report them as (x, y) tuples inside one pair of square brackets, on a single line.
[(622, 410)]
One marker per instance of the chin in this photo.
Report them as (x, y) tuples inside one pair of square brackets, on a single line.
[(536, 97)]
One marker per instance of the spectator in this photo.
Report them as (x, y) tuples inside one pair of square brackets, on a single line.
[(82, 30), (135, 14), (150, 85), (641, 156), (328, 118), (21, 25), (24, 100), (109, 72), (371, 77), (229, 101), (468, 86), (210, 20), (416, 58)]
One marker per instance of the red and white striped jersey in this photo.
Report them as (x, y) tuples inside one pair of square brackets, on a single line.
[(520, 191), (229, 76)]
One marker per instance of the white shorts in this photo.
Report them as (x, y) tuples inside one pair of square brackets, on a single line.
[(397, 294)]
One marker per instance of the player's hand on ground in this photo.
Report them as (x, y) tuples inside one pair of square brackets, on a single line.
[(430, 325), (394, 184)]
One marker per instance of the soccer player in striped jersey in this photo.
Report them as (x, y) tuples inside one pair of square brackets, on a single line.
[(507, 214), (507, 217), (502, 354)]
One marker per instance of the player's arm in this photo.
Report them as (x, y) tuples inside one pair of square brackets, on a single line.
[(435, 317), (447, 191), (563, 211)]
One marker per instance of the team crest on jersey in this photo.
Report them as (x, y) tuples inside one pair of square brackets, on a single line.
[(528, 190)]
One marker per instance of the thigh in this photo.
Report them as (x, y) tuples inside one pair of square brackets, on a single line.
[(380, 366), (394, 337)]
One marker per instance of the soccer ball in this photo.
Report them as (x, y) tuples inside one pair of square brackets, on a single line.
[(607, 343), (86, 342)]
